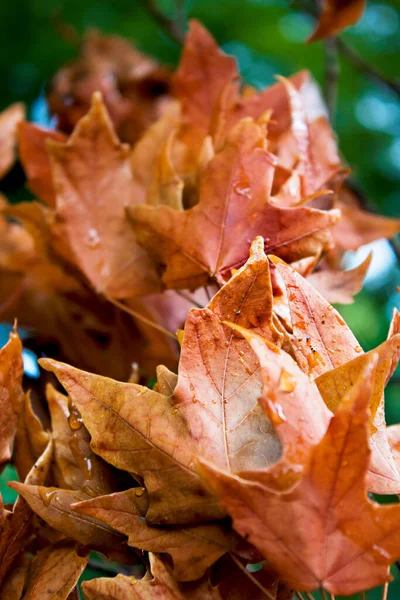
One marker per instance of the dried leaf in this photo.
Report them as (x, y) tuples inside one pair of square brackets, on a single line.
[(9, 120), (336, 15), (340, 286), (93, 184), (192, 549), (11, 397), (35, 159), (139, 431), (300, 532), (233, 209), (162, 586), (54, 573), (30, 440), (53, 506)]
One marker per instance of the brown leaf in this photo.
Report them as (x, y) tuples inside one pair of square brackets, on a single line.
[(53, 506), (300, 532), (9, 120), (17, 527), (35, 159), (219, 380), (30, 440), (336, 15), (94, 183), (161, 587), (13, 586), (358, 227), (340, 286), (54, 573), (233, 209), (192, 549), (138, 430), (203, 72), (76, 466), (134, 86), (321, 339), (11, 397)]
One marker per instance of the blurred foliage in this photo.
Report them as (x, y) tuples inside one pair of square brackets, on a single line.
[(267, 37)]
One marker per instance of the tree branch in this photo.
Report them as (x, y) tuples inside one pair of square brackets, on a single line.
[(172, 27), (332, 73)]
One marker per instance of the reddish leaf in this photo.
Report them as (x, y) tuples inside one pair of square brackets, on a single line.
[(9, 120), (337, 15)]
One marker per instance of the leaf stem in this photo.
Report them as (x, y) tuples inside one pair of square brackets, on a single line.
[(332, 73), (189, 298), (385, 591), (140, 317), (170, 26), (251, 577)]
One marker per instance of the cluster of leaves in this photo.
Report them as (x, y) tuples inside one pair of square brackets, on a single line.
[(265, 445)]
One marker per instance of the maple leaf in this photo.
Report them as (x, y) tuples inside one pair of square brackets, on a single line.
[(54, 573), (339, 287), (233, 208), (94, 183), (16, 526), (30, 440), (134, 86), (161, 585), (203, 72), (192, 549), (53, 506), (9, 120), (35, 160), (336, 15), (138, 430), (322, 342), (76, 466), (303, 532), (11, 397)]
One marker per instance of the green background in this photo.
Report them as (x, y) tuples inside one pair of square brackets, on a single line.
[(267, 37)]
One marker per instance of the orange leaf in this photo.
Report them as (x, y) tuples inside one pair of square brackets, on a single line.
[(337, 15)]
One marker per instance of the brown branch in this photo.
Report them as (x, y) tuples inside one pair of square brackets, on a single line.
[(332, 72), (251, 577), (172, 27), (140, 317), (189, 298), (364, 67)]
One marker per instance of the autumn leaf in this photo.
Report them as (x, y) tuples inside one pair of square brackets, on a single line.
[(35, 159), (13, 586), (139, 430), (336, 15), (233, 208), (93, 184), (203, 72), (54, 573), (134, 86), (339, 287), (300, 531), (192, 549), (17, 525), (11, 397), (9, 120), (30, 440), (53, 506), (161, 585)]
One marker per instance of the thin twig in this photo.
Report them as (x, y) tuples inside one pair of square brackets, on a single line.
[(299, 595), (331, 596), (323, 594), (385, 591), (93, 563), (140, 317), (207, 291), (170, 26), (309, 596), (332, 73), (251, 577), (362, 595), (189, 298), (364, 67)]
